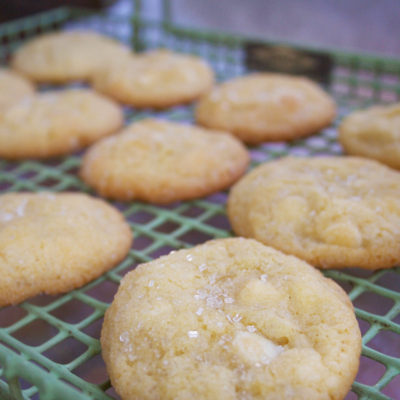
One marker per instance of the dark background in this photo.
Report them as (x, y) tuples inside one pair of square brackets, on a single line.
[(355, 25)]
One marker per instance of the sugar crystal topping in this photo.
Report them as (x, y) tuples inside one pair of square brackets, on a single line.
[(21, 208), (237, 318), (251, 328), (124, 337), (200, 311), (202, 267)]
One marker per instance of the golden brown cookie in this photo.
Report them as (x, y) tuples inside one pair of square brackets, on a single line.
[(267, 107), (55, 123), (66, 56), (373, 133), (161, 162), (13, 88), (157, 79), (52, 243), (230, 319), (333, 212)]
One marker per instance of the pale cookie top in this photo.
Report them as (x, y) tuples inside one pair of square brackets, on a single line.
[(267, 107), (158, 79), (230, 319), (331, 211), (161, 162), (58, 122), (52, 243), (373, 133), (13, 88), (66, 56)]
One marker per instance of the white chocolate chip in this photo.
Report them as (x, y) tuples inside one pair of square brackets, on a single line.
[(252, 348), (193, 334)]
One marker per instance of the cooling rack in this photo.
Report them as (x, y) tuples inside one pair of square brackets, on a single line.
[(49, 345)]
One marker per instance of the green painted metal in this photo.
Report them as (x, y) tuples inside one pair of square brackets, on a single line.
[(49, 346)]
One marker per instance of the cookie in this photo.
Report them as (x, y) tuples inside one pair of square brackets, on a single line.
[(373, 133), (230, 319), (157, 79), (162, 162), (55, 123), (53, 243), (333, 212), (13, 88), (66, 56), (267, 107)]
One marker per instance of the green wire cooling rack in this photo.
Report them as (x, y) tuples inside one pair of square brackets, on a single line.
[(49, 347)]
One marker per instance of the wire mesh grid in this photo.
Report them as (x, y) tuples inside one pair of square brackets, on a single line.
[(49, 345)]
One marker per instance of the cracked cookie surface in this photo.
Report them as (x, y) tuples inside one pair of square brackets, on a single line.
[(13, 88), (373, 133), (157, 79), (266, 107), (230, 319), (52, 243), (66, 56), (55, 123), (161, 162), (330, 211)]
